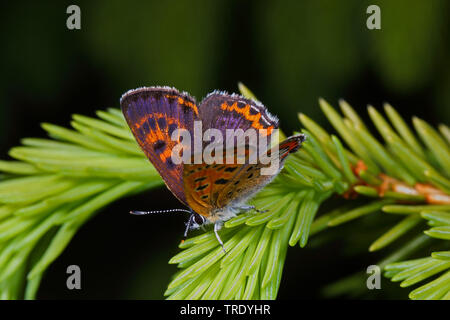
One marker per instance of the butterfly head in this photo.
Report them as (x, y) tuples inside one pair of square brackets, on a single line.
[(195, 221)]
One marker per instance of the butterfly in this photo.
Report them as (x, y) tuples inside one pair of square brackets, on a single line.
[(216, 191)]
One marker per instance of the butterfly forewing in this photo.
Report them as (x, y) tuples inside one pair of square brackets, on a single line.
[(152, 115)]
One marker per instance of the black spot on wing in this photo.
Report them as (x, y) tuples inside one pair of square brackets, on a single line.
[(200, 188), (169, 163), (186, 109), (159, 146), (230, 169), (146, 127), (172, 128), (162, 123), (152, 123), (221, 181), (199, 179)]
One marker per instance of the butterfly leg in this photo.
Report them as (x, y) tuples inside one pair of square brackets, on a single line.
[(188, 226), (195, 221), (217, 227), (247, 208)]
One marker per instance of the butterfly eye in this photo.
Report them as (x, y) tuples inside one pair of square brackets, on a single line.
[(198, 219)]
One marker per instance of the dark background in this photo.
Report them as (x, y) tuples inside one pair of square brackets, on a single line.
[(289, 53)]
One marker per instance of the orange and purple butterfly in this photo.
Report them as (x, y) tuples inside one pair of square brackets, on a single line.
[(213, 193)]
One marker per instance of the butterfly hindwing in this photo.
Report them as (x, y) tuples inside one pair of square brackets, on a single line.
[(205, 183), (152, 115), (216, 186), (250, 178)]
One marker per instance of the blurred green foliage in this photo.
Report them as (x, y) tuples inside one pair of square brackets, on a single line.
[(291, 51)]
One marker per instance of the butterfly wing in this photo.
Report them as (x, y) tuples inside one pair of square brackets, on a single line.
[(216, 186), (152, 115), (204, 183), (250, 179), (222, 111)]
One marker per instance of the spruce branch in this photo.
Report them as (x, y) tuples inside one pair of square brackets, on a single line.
[(399, 175), (55, 185)]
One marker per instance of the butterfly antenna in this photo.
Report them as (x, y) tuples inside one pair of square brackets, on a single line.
[(141, 213)]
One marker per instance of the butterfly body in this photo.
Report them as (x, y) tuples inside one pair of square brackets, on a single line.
[(215, 191)]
